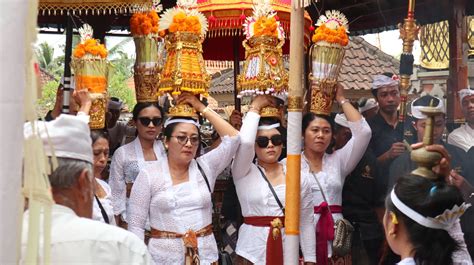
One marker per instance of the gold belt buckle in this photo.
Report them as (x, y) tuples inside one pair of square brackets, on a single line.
[(276, 226)]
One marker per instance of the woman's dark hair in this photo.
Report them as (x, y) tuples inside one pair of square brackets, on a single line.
[(280, 129), (97, 134), (309, 117), (143, 105), (430, 199)]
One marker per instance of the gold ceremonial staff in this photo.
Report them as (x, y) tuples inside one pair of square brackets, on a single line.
[(408, 33)]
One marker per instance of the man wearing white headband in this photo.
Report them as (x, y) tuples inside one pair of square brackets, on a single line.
[(368, 107), (464, 135), (404, 165), (387, 133), (358, 198), (75, 238)]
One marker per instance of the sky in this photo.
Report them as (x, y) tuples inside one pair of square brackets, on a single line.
[(387, 41)]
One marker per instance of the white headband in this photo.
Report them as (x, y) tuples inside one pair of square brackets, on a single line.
[(341, 120), (369, 104), (465, 93), (384, 81), (173, 120), (269, 127), (416, 110), (114, 105), (443, 221)]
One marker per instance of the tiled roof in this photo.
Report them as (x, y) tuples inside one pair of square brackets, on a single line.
[(222, 82), (45, 77), (361, 61)]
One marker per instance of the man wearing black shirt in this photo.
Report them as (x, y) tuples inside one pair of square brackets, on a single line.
[(386, 143), (459, 161)]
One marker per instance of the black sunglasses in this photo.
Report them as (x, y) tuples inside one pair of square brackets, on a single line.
[(263, 141), (145, 121)]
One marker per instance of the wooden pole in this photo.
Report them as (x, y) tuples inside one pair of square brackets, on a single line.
[(236, 45), (458, 50), (408, 33), (295, 106), (67, 66)]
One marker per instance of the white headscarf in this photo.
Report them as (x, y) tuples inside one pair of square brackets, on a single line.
[(384, 81), (341, 120), (369, 104), (69, 136), (416, 110), (465, 93)]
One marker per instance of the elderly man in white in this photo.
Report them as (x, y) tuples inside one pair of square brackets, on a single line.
[(75, 238), (463, 136)]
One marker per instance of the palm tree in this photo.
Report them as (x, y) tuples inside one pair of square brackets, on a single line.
[(45, 54)]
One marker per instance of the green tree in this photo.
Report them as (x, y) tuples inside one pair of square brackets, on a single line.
[(48, 98), (121, 73), (47, 61)]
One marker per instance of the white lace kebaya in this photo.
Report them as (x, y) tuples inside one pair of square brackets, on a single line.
[(178, 208), (335, 168), (256, 199), (126, 163)]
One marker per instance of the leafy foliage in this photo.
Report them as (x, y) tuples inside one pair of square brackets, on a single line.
[(48, 98)]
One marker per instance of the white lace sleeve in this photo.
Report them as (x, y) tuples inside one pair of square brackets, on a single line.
[(460, 257), (350, 155), (139, 203), (214, 162), (246, 151), (117, 183), (307, 232)]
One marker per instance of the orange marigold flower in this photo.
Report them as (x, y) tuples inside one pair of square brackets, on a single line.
[(173, 27), (179, 17), (79, 52)]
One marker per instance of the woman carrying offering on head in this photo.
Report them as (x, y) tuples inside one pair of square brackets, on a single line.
[(326, 170), (175, 193), (261, 188)]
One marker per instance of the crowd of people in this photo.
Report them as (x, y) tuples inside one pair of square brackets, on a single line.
[(354, 165)]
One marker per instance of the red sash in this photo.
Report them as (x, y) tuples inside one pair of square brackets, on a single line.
[(324, 230), (274, 241)]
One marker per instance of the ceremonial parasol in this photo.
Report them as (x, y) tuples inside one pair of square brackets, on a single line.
[(226, 18), (225, 35)]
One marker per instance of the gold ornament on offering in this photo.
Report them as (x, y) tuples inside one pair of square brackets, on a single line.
[(263, 72), (91, 69), (182, 110), (184, 69), (326, 55), (149, 47), (270, 112)]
